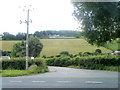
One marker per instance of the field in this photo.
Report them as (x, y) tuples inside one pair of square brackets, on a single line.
[(112, 45), (55, 46), (7, 45)]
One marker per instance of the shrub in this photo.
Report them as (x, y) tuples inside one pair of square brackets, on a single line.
[(44, 56), (86, 53), (64, 53), (80, 53), (32, 68), (98, 51), (5, 53)]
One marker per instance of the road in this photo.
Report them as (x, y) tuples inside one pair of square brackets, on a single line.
[(61, 77)]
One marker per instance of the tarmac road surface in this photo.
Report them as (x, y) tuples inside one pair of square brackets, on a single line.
[(62, 77)]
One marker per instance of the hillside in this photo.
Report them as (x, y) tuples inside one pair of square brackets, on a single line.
[(73, 46), (55, 46)]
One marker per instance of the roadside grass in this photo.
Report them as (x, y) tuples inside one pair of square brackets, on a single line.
[(106, 68), (33, 69), (53, 47), (15, 73)]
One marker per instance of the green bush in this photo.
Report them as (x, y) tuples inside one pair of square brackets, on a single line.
[(86, 53), (98, 51), (64, 53), (32, 69)]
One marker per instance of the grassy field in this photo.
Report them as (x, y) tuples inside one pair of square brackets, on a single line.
[(112, 45), (73, 46), (7, 45), (55, 46)]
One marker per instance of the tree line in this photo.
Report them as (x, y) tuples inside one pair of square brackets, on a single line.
[(40, 34)]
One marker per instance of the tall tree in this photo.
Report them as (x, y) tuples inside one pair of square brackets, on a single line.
[(99, 20)]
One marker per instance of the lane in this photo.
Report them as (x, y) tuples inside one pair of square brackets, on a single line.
[(61, 77)]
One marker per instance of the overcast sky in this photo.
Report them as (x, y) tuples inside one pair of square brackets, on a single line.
[(47, 15)]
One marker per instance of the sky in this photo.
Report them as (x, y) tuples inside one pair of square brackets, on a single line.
[(46, 15)]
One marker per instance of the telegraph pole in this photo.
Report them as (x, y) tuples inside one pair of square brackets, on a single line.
[(27, 21)]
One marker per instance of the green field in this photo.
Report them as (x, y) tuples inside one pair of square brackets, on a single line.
[(55, 46), (112, 45), (7, 45)]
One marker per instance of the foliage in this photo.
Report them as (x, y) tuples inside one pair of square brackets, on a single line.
[(19, 63), (98, 22), (18, 49), (86, 53), (5, 53), (31, 70), (98, 51), (34, 45), (64, 53), (7, 36), (19, 36), (87, 62)]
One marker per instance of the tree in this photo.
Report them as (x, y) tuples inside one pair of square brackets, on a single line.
[(18, 49), (34, 45), (21, 36), (99, 20), (7, 36)]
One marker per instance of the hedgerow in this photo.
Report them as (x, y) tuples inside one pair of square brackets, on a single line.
[(19, 63), (88, 62)]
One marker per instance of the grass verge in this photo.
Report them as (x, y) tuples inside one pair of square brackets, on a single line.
[(15, 73), (33, 69), (106, 68)]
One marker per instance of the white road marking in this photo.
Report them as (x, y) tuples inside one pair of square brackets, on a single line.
[(93, 82), (15, 81), (39, 81), (64, 81)]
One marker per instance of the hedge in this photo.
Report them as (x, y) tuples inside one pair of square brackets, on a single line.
[(19, 63), (89, 62)]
